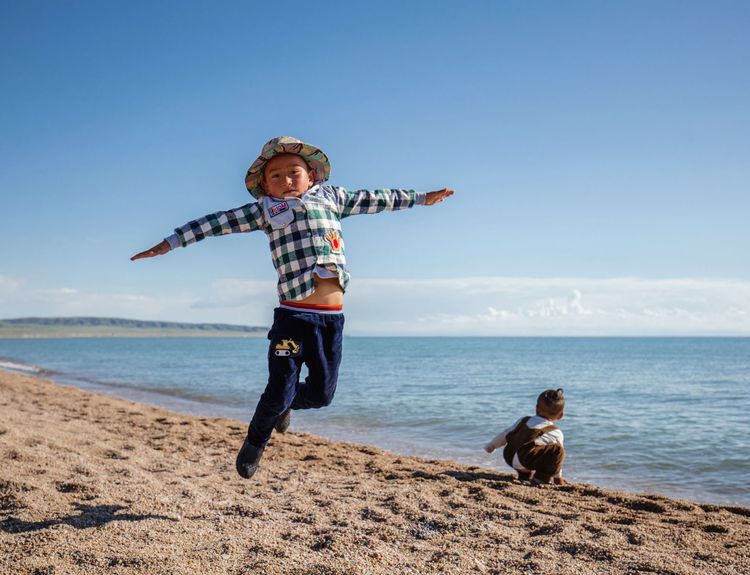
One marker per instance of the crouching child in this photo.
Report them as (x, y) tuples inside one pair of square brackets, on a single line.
[(533, 445)]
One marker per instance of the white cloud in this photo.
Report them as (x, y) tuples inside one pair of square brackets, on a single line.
[(227, 301), (550, 306), (463, 306)]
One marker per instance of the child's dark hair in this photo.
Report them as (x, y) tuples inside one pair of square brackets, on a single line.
[(550, 402)]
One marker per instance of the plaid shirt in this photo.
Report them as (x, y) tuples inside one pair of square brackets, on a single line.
[(302, 232)]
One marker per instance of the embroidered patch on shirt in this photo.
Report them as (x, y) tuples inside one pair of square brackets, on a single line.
[(286, 348), (278, 208), (335, 240)]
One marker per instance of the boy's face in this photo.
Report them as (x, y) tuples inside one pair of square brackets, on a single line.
[(287, 175)]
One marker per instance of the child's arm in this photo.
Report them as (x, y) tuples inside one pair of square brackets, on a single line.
[(432, 198), (499, 439), (376, 201), (158, 250), (246, 218)]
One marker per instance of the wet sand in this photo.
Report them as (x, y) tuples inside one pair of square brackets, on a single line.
[(93, 484)]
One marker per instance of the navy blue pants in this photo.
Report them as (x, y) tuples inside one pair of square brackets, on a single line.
[(298, 337)]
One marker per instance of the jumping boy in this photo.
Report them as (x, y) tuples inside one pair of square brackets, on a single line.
[(533, 444), (301, 218)]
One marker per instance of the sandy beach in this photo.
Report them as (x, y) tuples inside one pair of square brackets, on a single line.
[(95, 484)]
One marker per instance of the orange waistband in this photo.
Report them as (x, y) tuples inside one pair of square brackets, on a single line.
[(317, 306)]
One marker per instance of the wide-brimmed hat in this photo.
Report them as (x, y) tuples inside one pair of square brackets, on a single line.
[(315, 158)]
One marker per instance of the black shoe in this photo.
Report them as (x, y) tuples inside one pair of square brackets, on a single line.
[(248, 459), (282, 423)]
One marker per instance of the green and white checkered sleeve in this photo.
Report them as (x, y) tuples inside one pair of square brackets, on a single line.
[(247, 218), (375, 201)]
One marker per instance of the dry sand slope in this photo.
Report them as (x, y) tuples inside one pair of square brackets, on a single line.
[(93, 484)]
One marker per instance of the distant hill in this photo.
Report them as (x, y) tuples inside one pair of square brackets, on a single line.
[(118, 327)]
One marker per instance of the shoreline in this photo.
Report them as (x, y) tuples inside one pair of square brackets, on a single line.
[(186, 404), (95, 484)]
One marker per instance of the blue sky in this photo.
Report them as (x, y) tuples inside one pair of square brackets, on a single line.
[(599, 151)]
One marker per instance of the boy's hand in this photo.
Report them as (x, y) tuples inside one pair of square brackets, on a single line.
[(158, 250), (432, 198), (489, 448)]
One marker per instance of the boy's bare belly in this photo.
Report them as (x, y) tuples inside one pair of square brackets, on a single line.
[(327, 292)]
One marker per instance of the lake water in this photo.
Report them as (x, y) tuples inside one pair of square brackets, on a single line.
[(666, 415)]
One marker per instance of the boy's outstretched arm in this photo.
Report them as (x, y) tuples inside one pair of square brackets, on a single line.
[(432, 198), (385, 200), (158, 250), (246, 218)]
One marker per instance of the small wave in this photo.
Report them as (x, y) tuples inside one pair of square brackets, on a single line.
[(14, 366), (96, 384), (185, 394), (131, 390)]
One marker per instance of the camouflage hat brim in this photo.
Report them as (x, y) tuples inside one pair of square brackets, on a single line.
[(315, 158)]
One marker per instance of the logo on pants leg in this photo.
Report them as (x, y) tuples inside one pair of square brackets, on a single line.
[(287, 348)]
